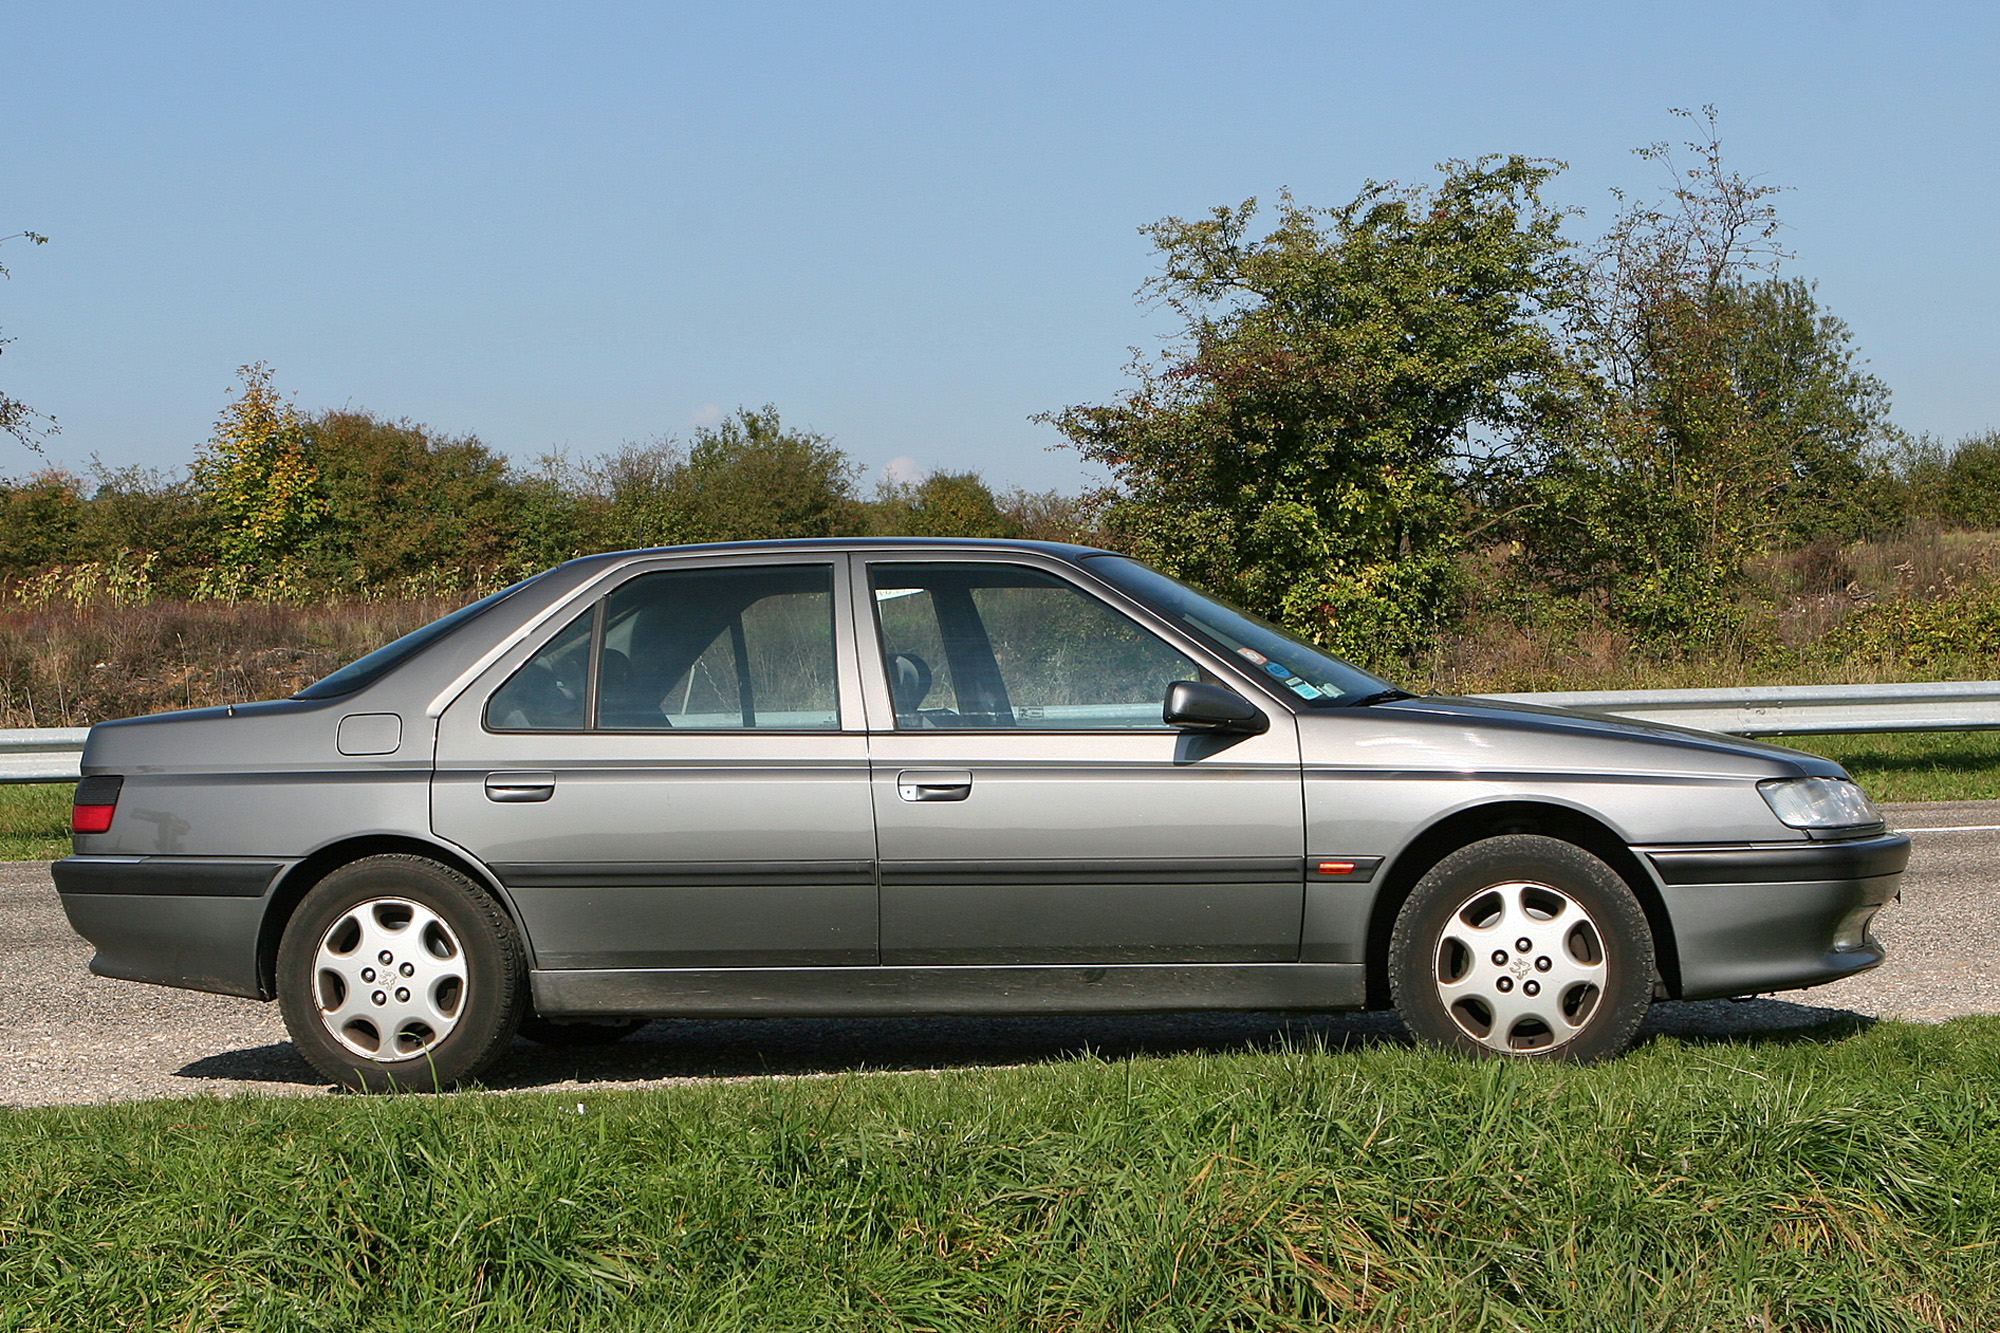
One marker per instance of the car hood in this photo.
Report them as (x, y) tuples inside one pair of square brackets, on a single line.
[(1437, 731)]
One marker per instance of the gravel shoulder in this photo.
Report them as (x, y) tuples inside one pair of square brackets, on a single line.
[(67, 1037)]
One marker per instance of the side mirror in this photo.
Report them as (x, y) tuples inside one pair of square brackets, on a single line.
[(1192, 706)]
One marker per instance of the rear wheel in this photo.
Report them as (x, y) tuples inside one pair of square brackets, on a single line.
[(1523, 945), (396, 972)]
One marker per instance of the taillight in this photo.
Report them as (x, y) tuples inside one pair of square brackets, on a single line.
[(96, 802)]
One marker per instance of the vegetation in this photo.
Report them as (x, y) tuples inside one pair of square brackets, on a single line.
[(1378, 421), (1428, 428), (1340, 386), (34, 820), (1918, 766), (1839, 1179), (17, 419)]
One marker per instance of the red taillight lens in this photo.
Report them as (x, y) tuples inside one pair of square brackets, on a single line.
[(96, 802), (90, 818)]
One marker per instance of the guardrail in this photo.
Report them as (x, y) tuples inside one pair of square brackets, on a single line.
[(43, 754), (1797, 710), (51, 754)]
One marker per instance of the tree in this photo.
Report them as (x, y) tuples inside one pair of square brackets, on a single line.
[(139, 513), (943, 504), (40, 521), (1732, 413), (402, 502), (751, 478), (19, 420), (1339, 393), (642, 497), (1967, 493), (257, 487)]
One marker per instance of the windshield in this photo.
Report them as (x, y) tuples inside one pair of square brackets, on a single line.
[(1317, 680), (367, 670)]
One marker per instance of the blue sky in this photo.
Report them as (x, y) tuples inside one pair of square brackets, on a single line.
[(910, 227)]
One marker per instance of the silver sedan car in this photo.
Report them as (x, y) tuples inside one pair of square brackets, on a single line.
[(937, 777)]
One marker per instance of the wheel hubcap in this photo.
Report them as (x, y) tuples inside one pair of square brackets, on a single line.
[(1520, 967), (389, 979)]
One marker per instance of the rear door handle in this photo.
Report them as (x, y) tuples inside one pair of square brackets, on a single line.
[(519, 788), (939, 785)]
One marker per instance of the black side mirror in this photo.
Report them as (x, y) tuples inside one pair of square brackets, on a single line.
[(1192, 706)]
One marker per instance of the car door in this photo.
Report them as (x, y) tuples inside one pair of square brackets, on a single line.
[(676, 776), (1031, 806)]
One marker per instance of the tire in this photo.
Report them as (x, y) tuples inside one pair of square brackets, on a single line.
[(579, 1032), (1522, 946), (389, 919)]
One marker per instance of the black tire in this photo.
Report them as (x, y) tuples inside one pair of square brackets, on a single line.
[(433, 967), (579, 1032), (1461, 979)]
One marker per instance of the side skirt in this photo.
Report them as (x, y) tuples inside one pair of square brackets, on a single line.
[(862, 992)]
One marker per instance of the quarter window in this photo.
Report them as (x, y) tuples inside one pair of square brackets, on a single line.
[(551, 690)]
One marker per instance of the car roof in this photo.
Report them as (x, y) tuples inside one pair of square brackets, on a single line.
[(1062, 550)]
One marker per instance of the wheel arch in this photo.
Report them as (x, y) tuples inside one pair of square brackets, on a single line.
[(297, 882), (1465, 827)]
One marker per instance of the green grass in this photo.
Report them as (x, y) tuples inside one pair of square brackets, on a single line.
[(34, 820), (1916, 766), (1846, 1179)]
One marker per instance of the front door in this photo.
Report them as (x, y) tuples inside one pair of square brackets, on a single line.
[(676, 777), (1031, 806)]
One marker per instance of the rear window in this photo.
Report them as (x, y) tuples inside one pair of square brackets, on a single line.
[(365, 671)]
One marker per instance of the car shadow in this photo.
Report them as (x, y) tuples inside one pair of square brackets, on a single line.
[(686, 1049), (1752, 1022), (675, 1050)]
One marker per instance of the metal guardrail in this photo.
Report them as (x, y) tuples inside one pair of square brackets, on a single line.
[(43, 754), (1797, 710), (51, 754)]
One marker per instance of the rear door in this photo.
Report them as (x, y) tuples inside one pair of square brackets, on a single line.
[(1031, 806), (677, 774)]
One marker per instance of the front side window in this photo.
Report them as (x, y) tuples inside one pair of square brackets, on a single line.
[(1004, 646), (705, 650), (1313, 677)]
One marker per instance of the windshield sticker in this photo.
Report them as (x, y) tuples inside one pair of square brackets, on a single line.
[(1253, 655), (1303, 690), (1279, 671)]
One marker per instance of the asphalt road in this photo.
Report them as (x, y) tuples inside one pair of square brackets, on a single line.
[(69, 1037)]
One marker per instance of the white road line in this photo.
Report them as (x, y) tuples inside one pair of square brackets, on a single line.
[(1955, 828)]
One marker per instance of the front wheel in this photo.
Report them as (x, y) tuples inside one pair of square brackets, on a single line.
[(396, 972), (1522, 945)]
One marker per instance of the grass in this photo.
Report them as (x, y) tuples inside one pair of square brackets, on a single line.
[(34, 820), (1916, 766), (1848, 1179), (71, 666)]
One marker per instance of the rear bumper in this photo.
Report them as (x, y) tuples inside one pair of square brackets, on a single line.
[(1749, 920), (180, 921)]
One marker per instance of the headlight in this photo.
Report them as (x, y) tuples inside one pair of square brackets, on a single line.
[(1819, 803)]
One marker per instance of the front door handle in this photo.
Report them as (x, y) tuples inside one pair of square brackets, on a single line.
[(519, 788), (939, 785)]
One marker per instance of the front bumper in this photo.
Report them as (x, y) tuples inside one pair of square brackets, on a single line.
[(180, 921), (1772, 917)]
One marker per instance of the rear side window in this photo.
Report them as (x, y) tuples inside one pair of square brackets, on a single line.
[(704, 650)]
